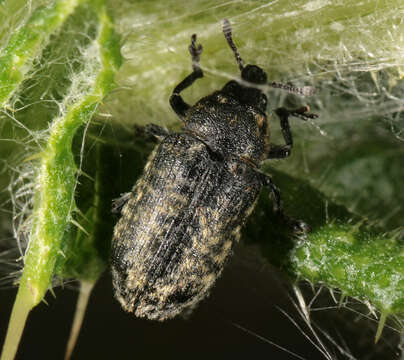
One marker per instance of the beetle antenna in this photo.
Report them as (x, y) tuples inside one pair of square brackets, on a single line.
[(226, 27), (305, 90)]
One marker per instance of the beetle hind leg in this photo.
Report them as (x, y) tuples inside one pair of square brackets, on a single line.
[(297, 226), (176, 101)]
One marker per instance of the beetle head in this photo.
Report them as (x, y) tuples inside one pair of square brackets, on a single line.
[(254, 75), (246, 91)]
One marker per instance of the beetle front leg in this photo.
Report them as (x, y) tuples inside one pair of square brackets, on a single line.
[(283, 151), (176, 101), (298, 226)]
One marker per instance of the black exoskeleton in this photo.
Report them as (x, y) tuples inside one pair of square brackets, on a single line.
[(181, 219), (245, 135)]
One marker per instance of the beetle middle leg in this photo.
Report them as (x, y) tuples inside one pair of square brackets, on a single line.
[(157, 131), (119, 203), (176, 101), (298, 226), (283, 151)]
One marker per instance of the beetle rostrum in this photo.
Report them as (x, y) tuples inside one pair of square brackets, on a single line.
[(182, 217)]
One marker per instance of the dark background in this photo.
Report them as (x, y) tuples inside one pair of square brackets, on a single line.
[(246, 296), (242, 317)]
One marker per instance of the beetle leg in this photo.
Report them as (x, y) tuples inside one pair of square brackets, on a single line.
[(157, 131), (176, 101), (283, 151), (298, 226), (119, 203), (279, 151)]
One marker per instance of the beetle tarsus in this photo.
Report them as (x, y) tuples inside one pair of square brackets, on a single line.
[(297, 226), (303, 113), (177, 103), (195, 51)]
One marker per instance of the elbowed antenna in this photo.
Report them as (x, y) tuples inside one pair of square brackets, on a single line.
[(226, 27), (305, 90)]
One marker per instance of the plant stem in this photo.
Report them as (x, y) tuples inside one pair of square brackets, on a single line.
[(22, 306), (82, 301)]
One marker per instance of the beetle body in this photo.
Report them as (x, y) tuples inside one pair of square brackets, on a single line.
[(178, 227), (182, 217)]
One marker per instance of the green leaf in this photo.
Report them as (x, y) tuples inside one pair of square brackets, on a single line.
[(77, 97)]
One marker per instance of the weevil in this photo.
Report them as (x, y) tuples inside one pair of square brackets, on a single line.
[(182, 217)]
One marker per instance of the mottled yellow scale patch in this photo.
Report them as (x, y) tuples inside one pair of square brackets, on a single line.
[(180, 198), (208, 232), (126, 306), (139, 195), (260, 120), (213, 240), (135, 218), (154, 172), (247, 152), (197, 147), (139, 183), (187, 266), (227, 245), (203, 220), (221, 257), (148, 190), (119, 229), (251, 208), (207, 281), (150, 160), (199, 247), (236, 232), (136, 279), (160, 273), (147, 213), (163, 291), (215, 215), (205, 233), (164, 210)]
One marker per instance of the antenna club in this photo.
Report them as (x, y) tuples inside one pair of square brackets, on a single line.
[(226, 27)]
